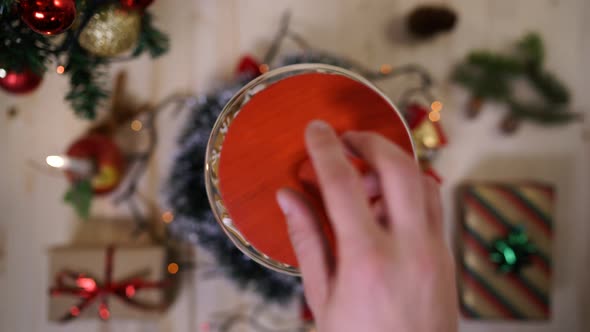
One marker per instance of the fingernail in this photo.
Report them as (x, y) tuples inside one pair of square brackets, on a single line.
[(318, 126), (283, 201)]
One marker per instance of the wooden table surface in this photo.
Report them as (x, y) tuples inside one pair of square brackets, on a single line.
[(208, 37)]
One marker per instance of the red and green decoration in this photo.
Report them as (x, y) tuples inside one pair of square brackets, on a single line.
[(490, 76), (92, 34), (107, 171)]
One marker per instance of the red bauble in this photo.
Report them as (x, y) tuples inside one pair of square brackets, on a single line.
[(48, 17), (20, 82), (136, 4), (248, 66)]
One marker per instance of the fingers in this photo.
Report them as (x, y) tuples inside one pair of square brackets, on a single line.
[(433, 205), (341, 187), (371, 185), (400, 177), (307, 240)]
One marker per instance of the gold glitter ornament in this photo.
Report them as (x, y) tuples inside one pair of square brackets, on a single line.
[(111, 31)]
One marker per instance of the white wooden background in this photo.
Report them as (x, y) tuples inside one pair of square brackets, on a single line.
[(208, 36)]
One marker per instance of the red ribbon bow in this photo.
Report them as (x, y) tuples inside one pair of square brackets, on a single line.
[(88, 289)]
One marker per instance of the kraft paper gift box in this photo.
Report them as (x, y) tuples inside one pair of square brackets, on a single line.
[(136, 274)]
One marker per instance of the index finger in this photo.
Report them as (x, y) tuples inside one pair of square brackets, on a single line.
[(401, 180), (341, 187)]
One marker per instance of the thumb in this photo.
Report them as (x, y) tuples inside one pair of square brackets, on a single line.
[(308, 243)]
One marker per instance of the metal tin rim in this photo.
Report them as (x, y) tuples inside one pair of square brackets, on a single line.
[(213, 191)]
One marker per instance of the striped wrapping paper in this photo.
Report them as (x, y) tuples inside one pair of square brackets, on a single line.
[(490, 211)]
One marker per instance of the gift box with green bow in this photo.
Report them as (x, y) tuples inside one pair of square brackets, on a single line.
[(506, 237)]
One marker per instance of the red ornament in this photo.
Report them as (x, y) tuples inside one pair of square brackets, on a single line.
[(19, 82), (248, 66), (136, 4), (48, 17)]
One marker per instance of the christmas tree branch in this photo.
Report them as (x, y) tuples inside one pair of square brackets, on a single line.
[(21, 48), (86, 80), (6, 6), (151, 39), (544, 114), (488, 75)]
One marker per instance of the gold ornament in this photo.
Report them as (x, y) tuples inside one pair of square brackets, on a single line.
[(427, 138), (111, 31)]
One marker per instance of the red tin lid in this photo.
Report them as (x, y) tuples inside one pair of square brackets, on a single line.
[(264, 150)]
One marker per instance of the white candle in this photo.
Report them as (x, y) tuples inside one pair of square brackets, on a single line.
[(81, 167)]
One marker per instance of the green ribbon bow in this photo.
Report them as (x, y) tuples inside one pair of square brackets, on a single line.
[(512, 252)]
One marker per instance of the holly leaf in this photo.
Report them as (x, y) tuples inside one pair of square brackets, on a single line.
[(79, 196)]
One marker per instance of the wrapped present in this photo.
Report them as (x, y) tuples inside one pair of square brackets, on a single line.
[(107, 282), (506, 250)]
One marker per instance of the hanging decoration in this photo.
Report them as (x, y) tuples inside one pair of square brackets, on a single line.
[(186, 193), (48, 17), (111, 31), (22, 82), (94, 34), (427, 132), (136, 4), (493, 76)]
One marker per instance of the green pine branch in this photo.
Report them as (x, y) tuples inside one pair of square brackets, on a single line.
[(482, 83), (21, 47), (552, 88), (152, 40), (489, 75), (542, 113), (87, 76), (6, 6), (530, 48), (496, 63)]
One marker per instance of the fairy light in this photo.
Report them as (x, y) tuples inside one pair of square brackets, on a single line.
[(436, 106), (104, 312), (385, 69), (2, 72), (434, 116), (173, 268), (263, 68), (130, 291), (60, 69), (167, 217), (87, 284), (75, 311), (136, 125)]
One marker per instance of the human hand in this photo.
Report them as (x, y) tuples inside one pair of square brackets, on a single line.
[(394, 271)]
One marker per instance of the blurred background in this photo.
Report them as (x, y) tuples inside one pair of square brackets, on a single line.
[(496, 105)]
